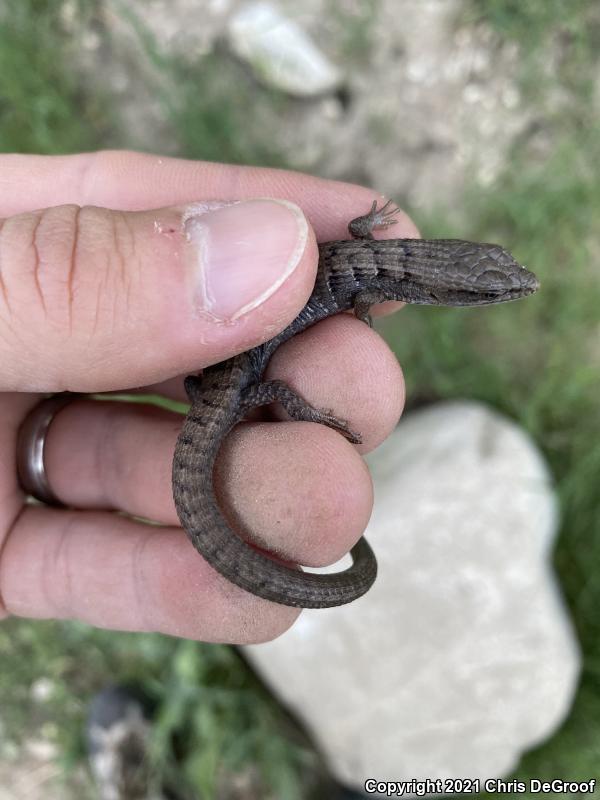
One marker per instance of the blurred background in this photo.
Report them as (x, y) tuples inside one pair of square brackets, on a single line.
[(481, 119)]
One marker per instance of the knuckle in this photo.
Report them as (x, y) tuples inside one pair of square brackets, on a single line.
[(36, 251), (66, 266)]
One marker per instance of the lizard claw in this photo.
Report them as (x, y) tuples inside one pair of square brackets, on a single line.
[(339, 425), (384, 218), (362, 227)]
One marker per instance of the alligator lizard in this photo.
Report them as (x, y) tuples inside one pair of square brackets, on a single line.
[(352, 274)]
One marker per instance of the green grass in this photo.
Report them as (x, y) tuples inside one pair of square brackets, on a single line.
[(44, 108), (210, 709), (549, 30), (537, 361)]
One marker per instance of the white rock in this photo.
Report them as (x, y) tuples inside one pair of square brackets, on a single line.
[(280, 52), (462, 655)]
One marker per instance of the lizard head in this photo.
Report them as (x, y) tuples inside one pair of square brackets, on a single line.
[(460, 273)]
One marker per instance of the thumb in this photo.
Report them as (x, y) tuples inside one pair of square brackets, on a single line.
[(94, 300)]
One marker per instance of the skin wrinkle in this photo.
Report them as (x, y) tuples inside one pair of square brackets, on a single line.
[(59, 555), (102, 268), (114, 273), (102, 272), (137, 580), (121, 272), (3, 287), (3, 544), (132, 257), (99, 288), (114, 324), (72, 264), (37, 261), (97, 310)]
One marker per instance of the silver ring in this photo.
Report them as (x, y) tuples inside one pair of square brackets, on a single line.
[(31, 441)]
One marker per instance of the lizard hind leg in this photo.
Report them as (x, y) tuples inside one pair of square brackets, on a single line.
[(296, 406), (363, 301)]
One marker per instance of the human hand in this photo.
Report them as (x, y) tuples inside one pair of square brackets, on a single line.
[(93, 300)]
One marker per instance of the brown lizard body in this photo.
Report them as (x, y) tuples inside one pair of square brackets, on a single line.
[(352, 274)]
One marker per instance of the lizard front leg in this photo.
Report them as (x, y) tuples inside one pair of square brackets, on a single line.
[(362, 227)]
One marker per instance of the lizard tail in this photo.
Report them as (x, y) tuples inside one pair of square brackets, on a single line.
[(207, 423)]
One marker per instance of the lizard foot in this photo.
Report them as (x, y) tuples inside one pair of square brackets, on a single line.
[(362, 227), (363, 302)]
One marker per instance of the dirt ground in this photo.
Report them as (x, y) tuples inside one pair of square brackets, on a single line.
[(428, 99)]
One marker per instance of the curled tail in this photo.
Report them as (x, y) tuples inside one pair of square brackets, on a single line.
[(215, 410)]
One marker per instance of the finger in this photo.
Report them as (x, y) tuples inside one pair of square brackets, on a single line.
[(136, 181), (340, 364), (94, 300), (343, 365), (117, 573), (119, 456), (267, 479), (13, 408)]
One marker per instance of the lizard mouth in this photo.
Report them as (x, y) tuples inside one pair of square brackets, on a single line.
[(464, 297), (514, 292), (526, 284), (501, 297)]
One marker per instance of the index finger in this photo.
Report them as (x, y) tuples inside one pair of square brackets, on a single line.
[(131, 181)]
